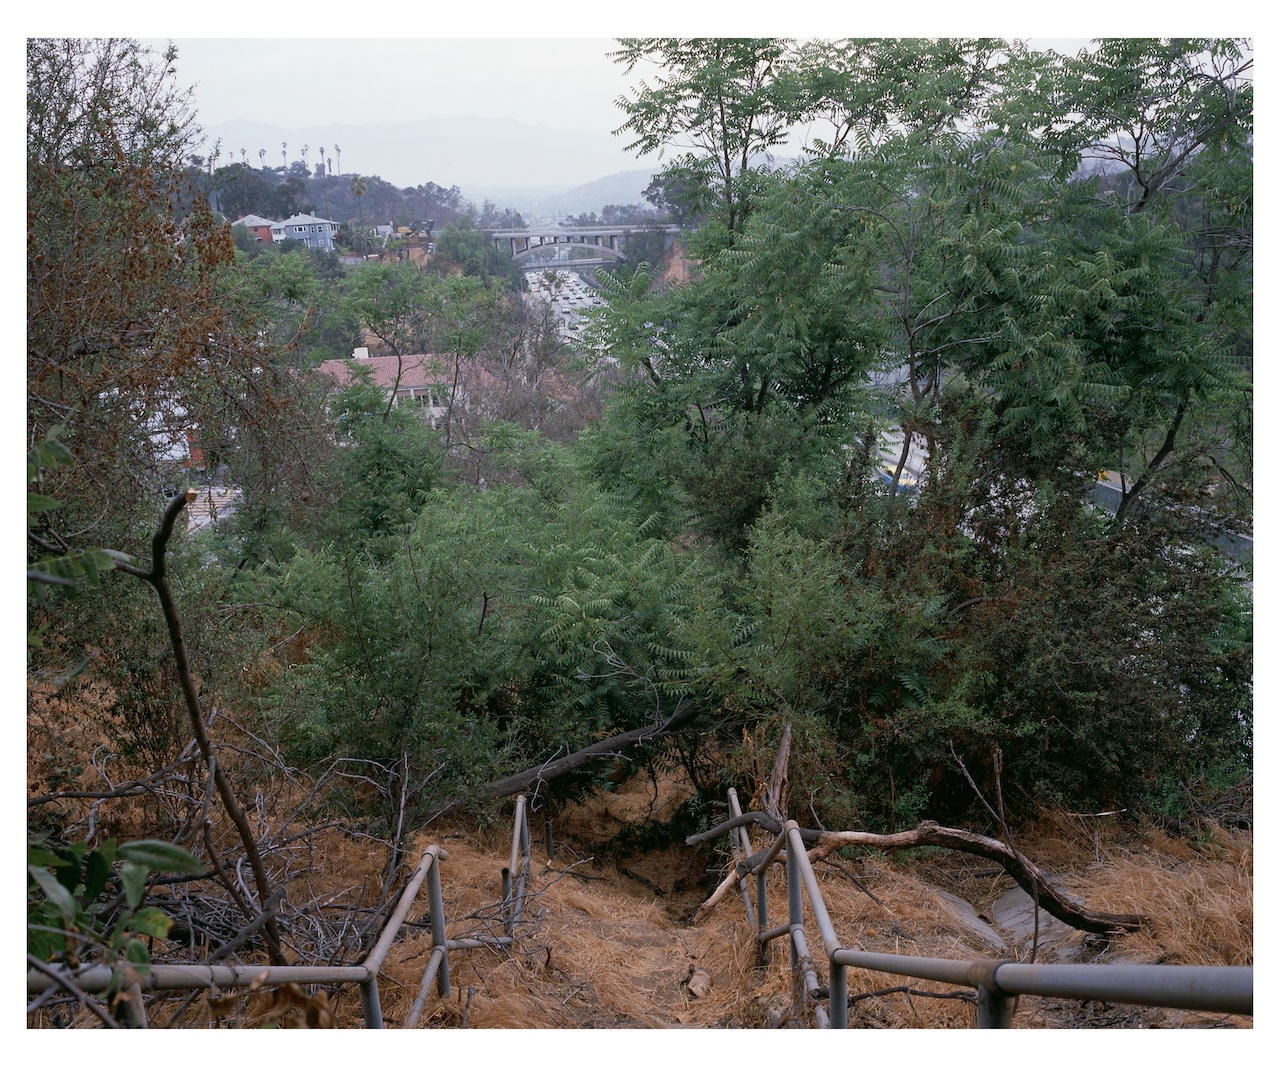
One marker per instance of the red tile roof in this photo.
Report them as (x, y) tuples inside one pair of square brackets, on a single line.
[(417, 371)]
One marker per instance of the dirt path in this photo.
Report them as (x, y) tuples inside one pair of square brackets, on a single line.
[(610, 945)]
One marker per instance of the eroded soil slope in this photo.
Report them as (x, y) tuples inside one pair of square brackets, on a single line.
[(609, 942)]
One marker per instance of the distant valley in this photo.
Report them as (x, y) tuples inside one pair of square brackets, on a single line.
[(534, 169)]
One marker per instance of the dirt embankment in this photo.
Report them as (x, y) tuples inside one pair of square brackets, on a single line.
[(610, 943), (675, 268), (607, 938)]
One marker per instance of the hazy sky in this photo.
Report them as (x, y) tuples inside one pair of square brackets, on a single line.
[(568, 84), (565, 84)]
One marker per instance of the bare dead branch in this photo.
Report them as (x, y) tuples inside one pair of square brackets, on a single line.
[(84, 1000), (159, 582), (1022, 870)]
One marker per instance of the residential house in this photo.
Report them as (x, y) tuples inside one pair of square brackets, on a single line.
[(257, 225), (425, 381), (461, 393), (313, 232)]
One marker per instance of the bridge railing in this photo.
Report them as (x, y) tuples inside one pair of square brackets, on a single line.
[(998, 982)]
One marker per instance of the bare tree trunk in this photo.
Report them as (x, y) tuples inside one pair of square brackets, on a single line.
[(160, 583)]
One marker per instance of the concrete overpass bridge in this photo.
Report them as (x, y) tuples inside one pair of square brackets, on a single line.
[(525, 245), (565, 264)]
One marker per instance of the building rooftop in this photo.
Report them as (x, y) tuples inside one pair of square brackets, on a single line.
[(418, 370), (304, 220)]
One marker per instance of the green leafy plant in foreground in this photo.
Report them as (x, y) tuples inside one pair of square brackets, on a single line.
[(67, 917)]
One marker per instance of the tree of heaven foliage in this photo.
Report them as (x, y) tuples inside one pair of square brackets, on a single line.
[(1043, 322)]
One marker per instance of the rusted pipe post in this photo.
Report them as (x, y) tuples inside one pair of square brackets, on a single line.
[(837, 983), (736, 852), (995, 1006), (516, 836), (762, 915), (511, 874), (369, 1002), (795, 916), (526, 871), (435, 903), (838, 996), (995, 1010), (808, 980), (136, 1012), (762, 902)]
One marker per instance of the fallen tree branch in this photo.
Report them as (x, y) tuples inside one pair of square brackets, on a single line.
[(1021, 869), (82, 998), (643, 881), (610, 746), (127, 789), (772, 799), (760, 818), (269, 907), (824, 993)]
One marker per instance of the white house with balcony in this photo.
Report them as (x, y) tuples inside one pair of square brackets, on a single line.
[(313, 232)]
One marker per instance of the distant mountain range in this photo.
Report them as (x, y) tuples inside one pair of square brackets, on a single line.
[(515, 158), (626, 187)]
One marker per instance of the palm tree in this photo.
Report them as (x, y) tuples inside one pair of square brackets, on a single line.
[(262, 157), (244, 157), (284, 160), (359, 187), (322, 159), (305, 148), (339, 151)]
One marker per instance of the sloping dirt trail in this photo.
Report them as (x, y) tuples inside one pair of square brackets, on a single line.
[(607, 940)]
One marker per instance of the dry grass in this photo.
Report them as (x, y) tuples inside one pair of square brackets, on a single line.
[(1199, 899), (606, 951)]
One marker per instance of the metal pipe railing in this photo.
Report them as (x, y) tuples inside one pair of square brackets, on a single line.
[(515, 875), (97, 978), (165, 976), (998, 982), (1224, 989), (740, 838), (369, 987)]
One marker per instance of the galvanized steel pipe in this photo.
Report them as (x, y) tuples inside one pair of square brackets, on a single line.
[(514, 865), (200, 976), (738, 848), (795, 843), (435, 902), (1225, 989), (438, 956), (380, 950), (956, 972)]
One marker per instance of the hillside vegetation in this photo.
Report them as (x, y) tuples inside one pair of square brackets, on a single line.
[(835, 483)]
